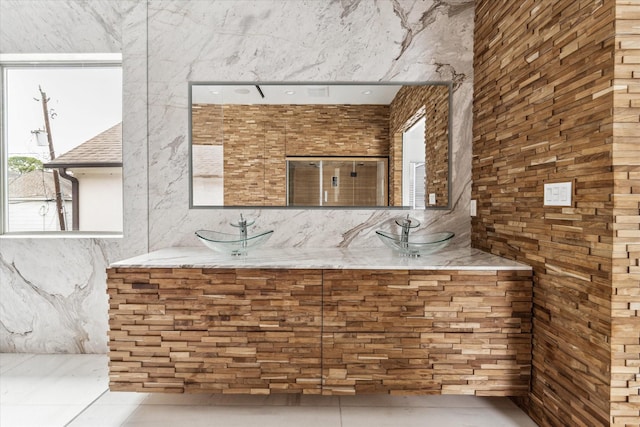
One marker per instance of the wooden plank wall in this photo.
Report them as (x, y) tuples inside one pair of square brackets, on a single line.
[(625, 341), (543, 100), (206, 121)]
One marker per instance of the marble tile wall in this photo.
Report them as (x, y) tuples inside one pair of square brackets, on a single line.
[(264, 41), (52, 291)]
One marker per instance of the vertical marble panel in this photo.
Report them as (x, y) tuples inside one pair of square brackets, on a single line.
[(53, 290), (269, 40), (134, 132)]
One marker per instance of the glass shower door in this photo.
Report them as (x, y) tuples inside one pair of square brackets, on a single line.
[(303, 183), (343, 182), (337, 183)]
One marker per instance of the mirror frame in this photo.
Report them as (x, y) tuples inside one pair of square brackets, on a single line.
[(449, 84)]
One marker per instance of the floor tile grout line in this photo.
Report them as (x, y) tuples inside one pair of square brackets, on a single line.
[(137, 408), (87, 407), (21, 362)]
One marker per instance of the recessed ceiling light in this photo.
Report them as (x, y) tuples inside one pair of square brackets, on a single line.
[(366, 92), (242, 91), (290, 92), (214, 91)]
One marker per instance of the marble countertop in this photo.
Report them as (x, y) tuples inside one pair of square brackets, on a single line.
[(321, 258)]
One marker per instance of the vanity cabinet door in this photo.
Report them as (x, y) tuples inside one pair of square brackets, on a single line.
[(247, 331), (427, 332), (373, 323), (262, 330)]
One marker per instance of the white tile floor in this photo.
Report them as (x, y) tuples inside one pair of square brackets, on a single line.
[(71, 390)]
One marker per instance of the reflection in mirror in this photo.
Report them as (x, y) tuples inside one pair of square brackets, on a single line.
[(413, 165), (337, 181), (333, 145)]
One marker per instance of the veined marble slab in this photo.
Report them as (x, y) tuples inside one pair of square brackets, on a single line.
[(321, 258)]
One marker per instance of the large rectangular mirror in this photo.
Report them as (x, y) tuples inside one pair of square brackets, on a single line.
[(315, 145)]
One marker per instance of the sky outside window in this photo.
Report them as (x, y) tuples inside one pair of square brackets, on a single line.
[(83, 102)]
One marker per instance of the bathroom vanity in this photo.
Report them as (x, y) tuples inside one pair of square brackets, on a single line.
[(323, 321)]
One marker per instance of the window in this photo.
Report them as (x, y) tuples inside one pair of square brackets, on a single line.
[(61, 143)]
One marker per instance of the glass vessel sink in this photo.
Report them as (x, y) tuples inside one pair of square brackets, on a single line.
[(233, 244), (416, 244)]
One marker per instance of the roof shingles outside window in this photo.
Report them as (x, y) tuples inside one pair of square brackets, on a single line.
[(36, 185), (103, 150)]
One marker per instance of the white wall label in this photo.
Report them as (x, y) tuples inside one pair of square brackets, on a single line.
[(557, 194), (432, 198)]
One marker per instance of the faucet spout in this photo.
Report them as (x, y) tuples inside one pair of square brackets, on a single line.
[(242, 225), (243, 228), (406, 224)]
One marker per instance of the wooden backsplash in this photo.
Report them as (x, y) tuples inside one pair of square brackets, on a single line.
[(557, 99)]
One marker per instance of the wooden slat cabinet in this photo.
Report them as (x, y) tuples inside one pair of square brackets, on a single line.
[(249, 331), (332, 332), (426, 332)]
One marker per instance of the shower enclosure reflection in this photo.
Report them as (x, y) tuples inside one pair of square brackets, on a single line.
[(336, 182)]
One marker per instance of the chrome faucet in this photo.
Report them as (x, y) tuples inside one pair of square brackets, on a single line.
[(243, 224), (407, 224)]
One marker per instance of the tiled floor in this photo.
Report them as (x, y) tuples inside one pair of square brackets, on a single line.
[(71, 390)]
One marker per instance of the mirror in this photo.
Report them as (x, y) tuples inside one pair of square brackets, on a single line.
[(315, 145)]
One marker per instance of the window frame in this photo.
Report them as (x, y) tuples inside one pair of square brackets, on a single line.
[(49, 60)]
